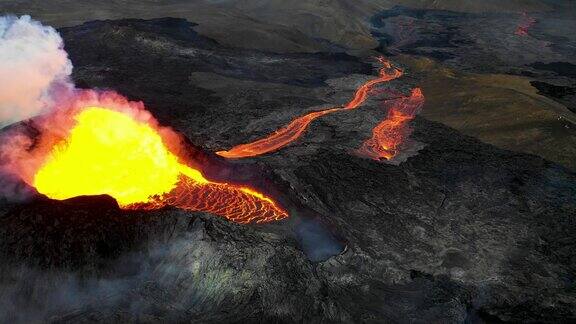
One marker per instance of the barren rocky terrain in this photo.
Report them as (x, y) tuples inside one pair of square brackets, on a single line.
[(471, 223), (460, 232)]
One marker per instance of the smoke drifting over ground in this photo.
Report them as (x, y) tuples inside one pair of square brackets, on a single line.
[(33, 68), (34, 295)]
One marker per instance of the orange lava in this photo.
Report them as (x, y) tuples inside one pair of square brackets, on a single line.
[(276, 140), (387, 73), (238, 204), (110, 152), (296, 128), (388, 135), (525, 24)]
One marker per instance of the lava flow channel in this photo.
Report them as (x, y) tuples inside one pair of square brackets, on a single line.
[(296, 127), (108, 152), (389, 134)]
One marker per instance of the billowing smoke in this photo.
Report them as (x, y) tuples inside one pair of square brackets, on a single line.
[(35, 82), (33, 68), (24, 147)]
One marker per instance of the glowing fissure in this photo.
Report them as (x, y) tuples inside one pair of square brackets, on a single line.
[(389, 134), (108, 152), (296, 128)]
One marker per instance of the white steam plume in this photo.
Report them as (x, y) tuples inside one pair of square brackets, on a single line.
[(33, 66)]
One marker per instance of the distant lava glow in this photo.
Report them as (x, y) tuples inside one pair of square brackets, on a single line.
[(389, 134), (525, 24), (296, 128), (108, 152)]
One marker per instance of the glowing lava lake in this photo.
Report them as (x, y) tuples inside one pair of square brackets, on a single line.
[(109, 152)]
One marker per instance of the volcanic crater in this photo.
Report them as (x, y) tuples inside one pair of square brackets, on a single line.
[(456, 230)]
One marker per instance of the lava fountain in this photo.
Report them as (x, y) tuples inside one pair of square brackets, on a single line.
[(389, 134), (110, 152), (88, 142), (291, 132)]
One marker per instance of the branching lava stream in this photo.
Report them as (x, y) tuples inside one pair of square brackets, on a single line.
[(389, 134), (112, 152), (296, 128)]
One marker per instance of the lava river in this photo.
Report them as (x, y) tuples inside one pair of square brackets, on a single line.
[(296, 128), (109, 152), (390, 133)]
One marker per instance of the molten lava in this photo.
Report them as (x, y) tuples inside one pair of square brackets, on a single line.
[(296, 128), (278, 139), (122, 153), (108, 152), (387, 73), (388, 135)]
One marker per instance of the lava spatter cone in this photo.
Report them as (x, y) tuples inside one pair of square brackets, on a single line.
[(109, 152)]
